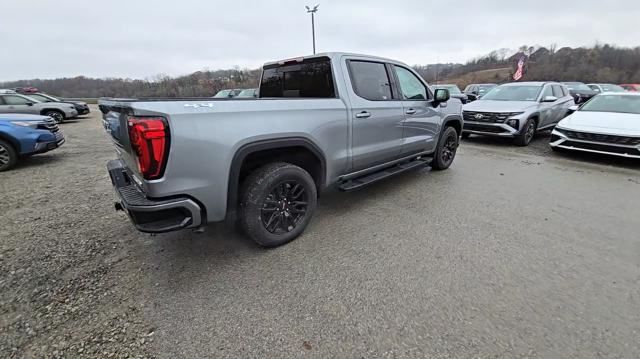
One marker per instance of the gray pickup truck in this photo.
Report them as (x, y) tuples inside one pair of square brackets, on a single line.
[(328, 120)]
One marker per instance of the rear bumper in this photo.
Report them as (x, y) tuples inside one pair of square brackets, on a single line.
[(151, 215)]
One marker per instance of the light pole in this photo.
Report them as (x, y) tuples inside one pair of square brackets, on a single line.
[(313, 25)]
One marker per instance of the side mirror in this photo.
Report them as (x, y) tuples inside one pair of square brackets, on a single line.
[(573, 109), (549, 99), (440, 96), (29, 103)]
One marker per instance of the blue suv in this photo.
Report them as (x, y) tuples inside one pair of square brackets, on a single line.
[(24, 135)]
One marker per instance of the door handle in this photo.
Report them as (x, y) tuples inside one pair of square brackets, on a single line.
[(410, 111), (363, 114)]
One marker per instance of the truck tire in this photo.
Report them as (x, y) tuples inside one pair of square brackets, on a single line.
[(446, 151), (526, 134), (55, 115), (8, 156), (277, 203)]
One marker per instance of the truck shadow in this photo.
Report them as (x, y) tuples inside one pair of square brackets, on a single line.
[(183, 258)]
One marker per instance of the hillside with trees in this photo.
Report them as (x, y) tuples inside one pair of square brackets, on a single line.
[(602, 63)]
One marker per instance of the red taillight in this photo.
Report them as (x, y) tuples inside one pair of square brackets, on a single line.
[(149, 137)]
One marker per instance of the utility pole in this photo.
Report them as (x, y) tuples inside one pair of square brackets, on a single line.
[(313, 25)]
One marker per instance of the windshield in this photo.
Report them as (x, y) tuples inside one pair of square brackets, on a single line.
[(482, 89), (41, 98), (612, 88), (247, 93), (613, 103), (576, 86), (453, 89), (513, 93), (223, 93)]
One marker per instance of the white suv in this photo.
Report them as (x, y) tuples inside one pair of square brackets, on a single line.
[(17, 103)]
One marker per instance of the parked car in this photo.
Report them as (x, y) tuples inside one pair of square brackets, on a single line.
[(600, 88), (631, 87), (17, 103), (517, 110), (475, 91), (24, 135), (227, 93), (581, 93), (248, 93), (608, 124), (454, 91), (349, 120), (80, 106)]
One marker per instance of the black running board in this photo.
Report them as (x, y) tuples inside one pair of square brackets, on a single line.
[(357, 183)]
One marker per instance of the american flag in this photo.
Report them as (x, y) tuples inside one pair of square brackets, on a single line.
[(520, 72)]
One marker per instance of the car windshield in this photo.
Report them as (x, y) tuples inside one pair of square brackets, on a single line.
[(485, 88), (613, 103), (453, 89), (513, 93), (223, 93), (40, 97), (247, 93), (576, 86), (612, 88)]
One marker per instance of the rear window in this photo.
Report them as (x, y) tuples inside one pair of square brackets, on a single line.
[(311, 78)]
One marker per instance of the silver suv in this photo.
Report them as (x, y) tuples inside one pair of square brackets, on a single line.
[(517, 110), (17, 103)]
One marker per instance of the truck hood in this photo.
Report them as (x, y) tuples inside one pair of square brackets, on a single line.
[(22, 117), (498, 106), (610, 123)]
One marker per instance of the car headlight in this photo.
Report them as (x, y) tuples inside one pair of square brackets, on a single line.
[(25, 124)]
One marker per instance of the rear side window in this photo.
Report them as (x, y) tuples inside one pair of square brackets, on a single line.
[(557, 91), (15, 100), (311, 78), (370, 80)]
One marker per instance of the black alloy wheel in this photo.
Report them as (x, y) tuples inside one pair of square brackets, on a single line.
[(284, 207)]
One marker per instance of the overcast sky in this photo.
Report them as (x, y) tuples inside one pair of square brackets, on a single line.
[(142, 38)]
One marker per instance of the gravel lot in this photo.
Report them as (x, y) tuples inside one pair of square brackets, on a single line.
[(513, 252)]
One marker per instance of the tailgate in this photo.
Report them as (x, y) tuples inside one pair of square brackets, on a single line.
[(114, 120)]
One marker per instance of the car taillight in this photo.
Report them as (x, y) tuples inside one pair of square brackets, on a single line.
[(149, 138)]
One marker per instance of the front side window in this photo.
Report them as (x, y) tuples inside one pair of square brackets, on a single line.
[(557, 91), (410, 86), (370, 80), (310, 78), (594, 88), (548, 91), (15, 100)]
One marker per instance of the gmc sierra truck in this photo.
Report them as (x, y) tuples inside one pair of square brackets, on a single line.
[(327, 120)]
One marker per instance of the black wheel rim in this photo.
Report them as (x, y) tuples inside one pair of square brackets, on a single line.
[(449, 149), (4, 156), (530, 131), (285, 207)]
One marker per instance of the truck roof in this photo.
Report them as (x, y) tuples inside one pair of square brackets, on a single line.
[(334, 56)]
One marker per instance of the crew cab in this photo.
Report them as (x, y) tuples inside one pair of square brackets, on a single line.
[(327, 120)]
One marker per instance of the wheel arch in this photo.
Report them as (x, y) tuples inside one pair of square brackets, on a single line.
[(454, 121), (281, 149), (12, 141)]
